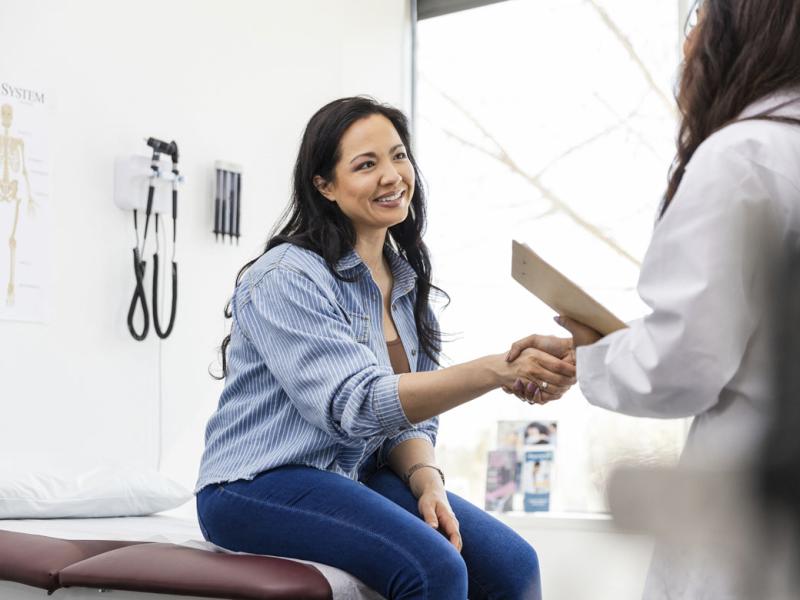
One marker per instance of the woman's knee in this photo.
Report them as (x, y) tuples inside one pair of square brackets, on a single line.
[(446, 575), (524, 581), (530, 559), (429, 576), (505, 570)]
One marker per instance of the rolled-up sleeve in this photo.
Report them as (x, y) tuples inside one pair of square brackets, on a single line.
[(427, 429), (306, 341)]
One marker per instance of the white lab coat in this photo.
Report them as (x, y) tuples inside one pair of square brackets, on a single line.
[(704, 350)]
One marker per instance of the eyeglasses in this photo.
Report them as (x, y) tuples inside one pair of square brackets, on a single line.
[(693, 18)]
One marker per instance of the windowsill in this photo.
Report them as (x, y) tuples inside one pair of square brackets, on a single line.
[(590, 522)]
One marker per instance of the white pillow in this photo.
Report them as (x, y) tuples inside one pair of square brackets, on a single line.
[(106, 491)]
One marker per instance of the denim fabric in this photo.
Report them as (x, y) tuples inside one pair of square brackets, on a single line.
[(372, 531), (309, 380)]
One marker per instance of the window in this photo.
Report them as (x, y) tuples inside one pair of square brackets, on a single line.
[(551, 122)]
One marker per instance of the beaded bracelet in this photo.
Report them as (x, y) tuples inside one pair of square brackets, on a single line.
[(417, 467)]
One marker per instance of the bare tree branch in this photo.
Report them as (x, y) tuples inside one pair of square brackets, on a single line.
[(502, 154), (634, 55), (497, 156), (642, 140), (599, 135), (556, 202), (503, 157)]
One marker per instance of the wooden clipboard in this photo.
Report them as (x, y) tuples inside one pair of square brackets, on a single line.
[(559, 293)]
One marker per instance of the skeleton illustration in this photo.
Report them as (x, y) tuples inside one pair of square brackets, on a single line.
[(12, 156)]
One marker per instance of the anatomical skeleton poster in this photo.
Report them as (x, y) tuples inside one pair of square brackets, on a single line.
[(25, 204)]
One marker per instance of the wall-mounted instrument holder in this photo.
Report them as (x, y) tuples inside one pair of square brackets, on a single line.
[(144, 184), (227, 200), (132, 177)]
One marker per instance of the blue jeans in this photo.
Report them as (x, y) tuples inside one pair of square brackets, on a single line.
[(372, 531)]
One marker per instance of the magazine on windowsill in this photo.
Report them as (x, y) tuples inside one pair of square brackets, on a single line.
[(537, 470), (513, 483)]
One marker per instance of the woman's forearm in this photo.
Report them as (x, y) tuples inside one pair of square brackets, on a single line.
[(425, 395), (412, 452)]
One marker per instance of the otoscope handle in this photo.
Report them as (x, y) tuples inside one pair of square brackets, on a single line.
[(148, 211)]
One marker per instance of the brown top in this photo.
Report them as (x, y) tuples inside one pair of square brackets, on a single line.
[(397, 356)]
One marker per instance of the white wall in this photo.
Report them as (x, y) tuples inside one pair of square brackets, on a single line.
[(234, 80)]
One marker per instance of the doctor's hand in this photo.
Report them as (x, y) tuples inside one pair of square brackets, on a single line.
[(554, 346), (531, 392), (582, 335)]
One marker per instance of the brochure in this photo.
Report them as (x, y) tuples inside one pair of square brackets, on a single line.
[(510, 483), (537, 470), (501, 480)]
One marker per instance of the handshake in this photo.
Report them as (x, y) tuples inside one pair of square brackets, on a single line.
[(541, 368)]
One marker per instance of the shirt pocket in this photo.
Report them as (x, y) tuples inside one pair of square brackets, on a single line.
[(359, 323)]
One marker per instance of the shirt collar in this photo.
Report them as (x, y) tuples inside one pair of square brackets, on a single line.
[(349, 261), (786, 101), (404, 276)]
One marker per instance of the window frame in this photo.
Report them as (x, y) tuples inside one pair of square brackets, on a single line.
[(427, 9)]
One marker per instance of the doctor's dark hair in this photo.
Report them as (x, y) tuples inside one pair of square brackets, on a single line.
[(740, 52), (317, 224)]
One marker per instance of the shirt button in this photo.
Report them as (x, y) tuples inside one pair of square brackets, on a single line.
[(413, 353)]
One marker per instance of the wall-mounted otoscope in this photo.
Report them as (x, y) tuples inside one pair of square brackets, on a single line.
[(131, 174)]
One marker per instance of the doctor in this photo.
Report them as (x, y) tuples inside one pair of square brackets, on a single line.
[(732, 204)]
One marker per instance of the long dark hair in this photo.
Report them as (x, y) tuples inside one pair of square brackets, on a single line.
[(740, 52), (312, 222)]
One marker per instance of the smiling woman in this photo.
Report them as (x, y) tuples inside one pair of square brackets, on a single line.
[(331, 382), (375, 179), (372, 189)]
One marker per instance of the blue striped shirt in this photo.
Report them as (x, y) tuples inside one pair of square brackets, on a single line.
[(309, 378)]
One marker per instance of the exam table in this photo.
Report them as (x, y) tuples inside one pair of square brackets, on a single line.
[(151, 558)]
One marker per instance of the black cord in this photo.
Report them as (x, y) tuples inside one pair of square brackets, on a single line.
[(139, 298), (163, 334), (156, 324)]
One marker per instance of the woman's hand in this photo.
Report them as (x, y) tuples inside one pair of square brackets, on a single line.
[(542, 390), (434, 506), (435, 510)]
